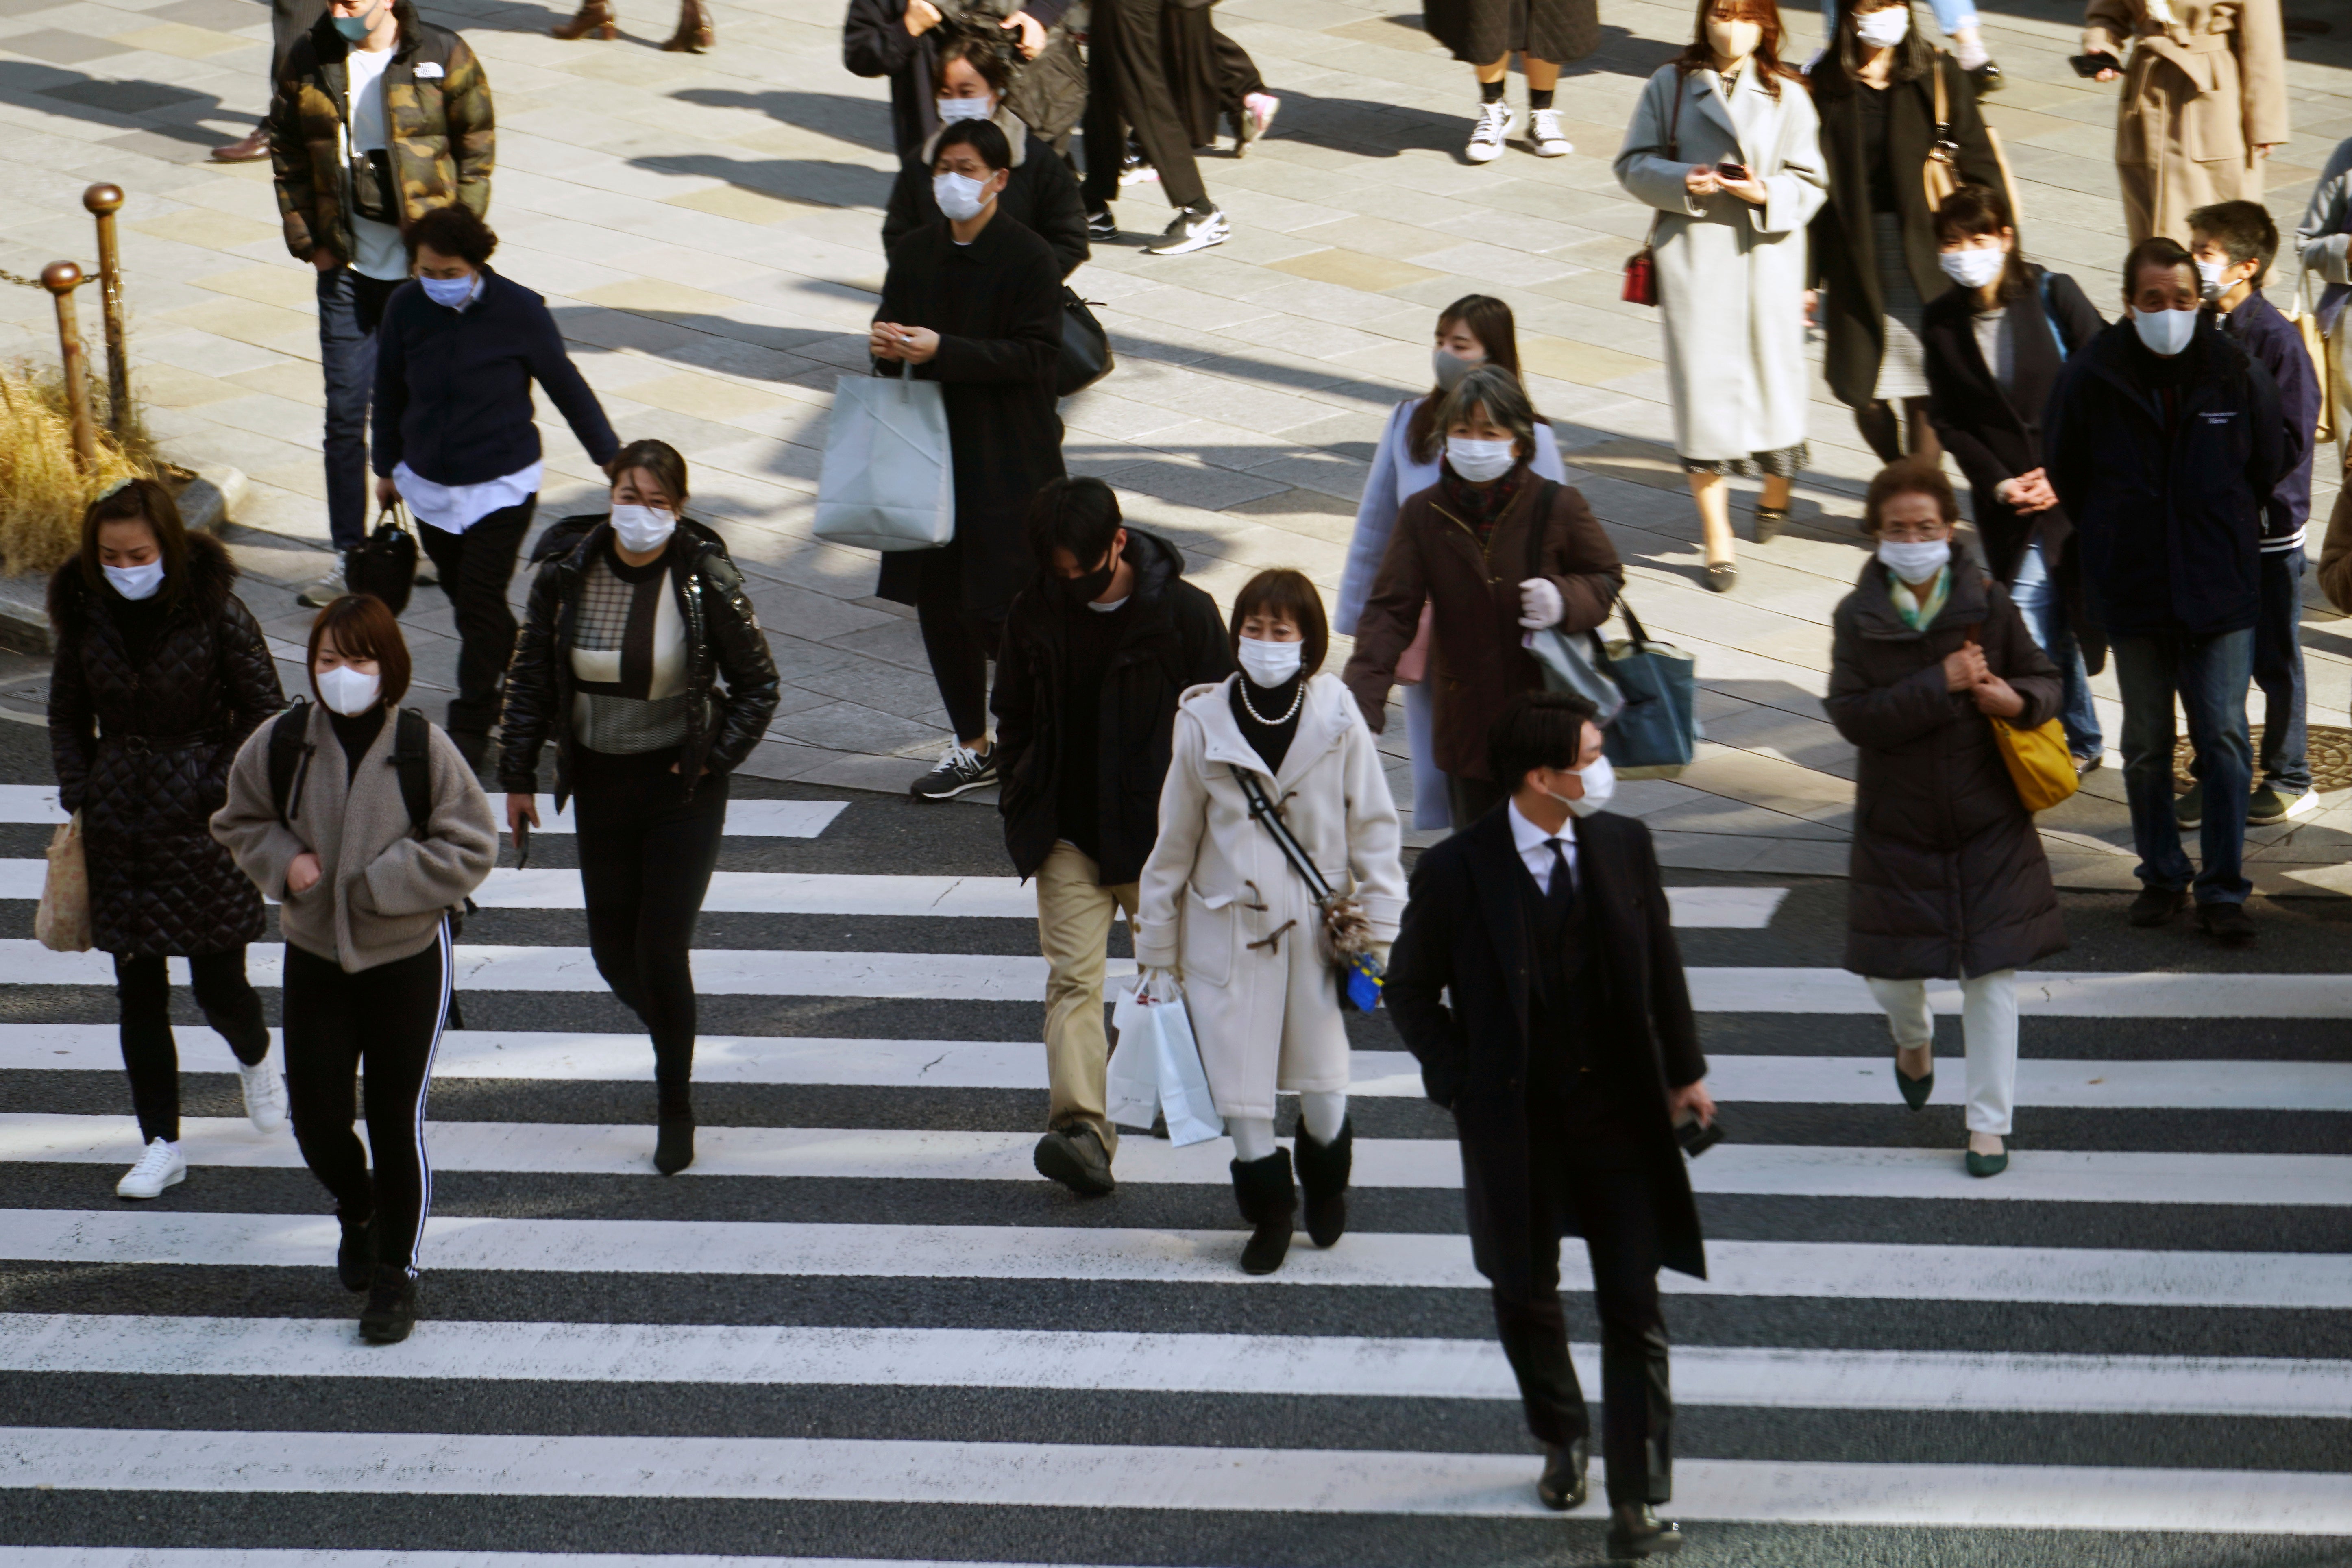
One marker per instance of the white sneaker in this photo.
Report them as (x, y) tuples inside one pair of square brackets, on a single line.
[(1259, 111), (1550, 141), (160, 1167), (1190, 230), (1486, 137), (265, 1092), (325, 591), (427, 575)]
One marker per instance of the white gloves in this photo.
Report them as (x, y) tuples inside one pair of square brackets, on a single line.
[(1157, 985), (1539, 604)]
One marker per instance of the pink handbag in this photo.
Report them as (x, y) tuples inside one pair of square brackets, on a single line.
[(1413, 664)]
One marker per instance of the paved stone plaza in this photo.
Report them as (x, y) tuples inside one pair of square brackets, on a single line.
[(707, 231)]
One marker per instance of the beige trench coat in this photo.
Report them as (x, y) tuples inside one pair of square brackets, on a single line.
[(1731, 277), (1267, 1014), (2201, 92)]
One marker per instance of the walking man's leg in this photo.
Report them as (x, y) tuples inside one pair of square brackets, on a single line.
[(2278, 669), (347, 362), (2146, 668), (2214, 673), (1074, 915)]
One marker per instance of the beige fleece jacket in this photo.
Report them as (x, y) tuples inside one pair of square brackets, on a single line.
[(382, 888)]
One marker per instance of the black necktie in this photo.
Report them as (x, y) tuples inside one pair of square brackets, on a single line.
[(1560, 895)]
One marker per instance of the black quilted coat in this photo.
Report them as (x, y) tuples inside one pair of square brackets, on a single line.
[(143, 753), (1948, 874)]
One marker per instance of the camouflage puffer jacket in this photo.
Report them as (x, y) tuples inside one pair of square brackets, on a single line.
[(442, 132)]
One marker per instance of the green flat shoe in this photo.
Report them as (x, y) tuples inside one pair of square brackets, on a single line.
[(1915, 1090), (1988, 1164)]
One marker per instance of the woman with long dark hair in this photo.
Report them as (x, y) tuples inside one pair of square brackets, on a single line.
[(642, 660), (1995, 344), (1723, 146), (370, 840), (160, 674), (1476, 330), (1873, 252)]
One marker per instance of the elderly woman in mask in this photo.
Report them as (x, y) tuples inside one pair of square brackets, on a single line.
[(643, 663), (1476, 330), (1494, 550)]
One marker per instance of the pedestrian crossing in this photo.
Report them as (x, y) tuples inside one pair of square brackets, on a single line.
[(859, 1329)]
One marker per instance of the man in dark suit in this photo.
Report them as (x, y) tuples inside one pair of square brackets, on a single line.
[(1566, 1056)]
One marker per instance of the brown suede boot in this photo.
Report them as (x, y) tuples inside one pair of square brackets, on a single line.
[(694, 34), (594, 21)]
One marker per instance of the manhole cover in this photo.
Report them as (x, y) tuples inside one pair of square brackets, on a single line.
[(2331, 757)]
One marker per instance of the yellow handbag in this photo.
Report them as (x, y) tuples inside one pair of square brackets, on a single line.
[(2039, 763)]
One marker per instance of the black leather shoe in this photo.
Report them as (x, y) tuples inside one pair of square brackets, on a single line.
[(1636, 1532), (1323, 1171), (2226, 923), (1074, 1156), (1987, 77), (355, 1258), (673, 1145), (2156, 906), (1262, 1190), (390, 1310), (1561, 1485)]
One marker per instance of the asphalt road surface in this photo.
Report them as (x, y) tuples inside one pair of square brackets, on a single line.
[(860, 1329)]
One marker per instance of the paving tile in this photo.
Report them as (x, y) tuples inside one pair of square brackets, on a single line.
[(1354, 269)]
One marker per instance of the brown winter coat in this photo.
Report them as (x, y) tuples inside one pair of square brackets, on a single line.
[(441, 133), (1948, 877), (2198, 98), (142, 750), (1476, 663)]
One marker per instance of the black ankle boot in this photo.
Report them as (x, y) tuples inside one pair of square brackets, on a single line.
[(390, 1310), (355, 1258), (1323, 1172), (674, 1143), (1267, 1200)]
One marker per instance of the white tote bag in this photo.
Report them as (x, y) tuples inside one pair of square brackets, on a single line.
[(887, 482), (1157, 1068)]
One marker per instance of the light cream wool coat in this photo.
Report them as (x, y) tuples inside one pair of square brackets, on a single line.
[(2204, 84), (382, 890), (1731, 277), (1267, 1014)]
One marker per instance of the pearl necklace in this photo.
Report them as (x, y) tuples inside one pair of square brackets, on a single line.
[(1297, 698)]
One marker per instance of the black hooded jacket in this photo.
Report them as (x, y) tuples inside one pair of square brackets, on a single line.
[(1173, 638), (723, 641)]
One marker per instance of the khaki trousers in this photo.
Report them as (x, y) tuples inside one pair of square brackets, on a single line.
[(1074, 918)]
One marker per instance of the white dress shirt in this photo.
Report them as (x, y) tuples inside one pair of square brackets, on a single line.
[(1533, 846)]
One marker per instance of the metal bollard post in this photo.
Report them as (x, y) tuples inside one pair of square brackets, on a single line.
[(104, 200), (61, 279)]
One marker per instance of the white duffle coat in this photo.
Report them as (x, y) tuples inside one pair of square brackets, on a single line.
[(1216, 887)]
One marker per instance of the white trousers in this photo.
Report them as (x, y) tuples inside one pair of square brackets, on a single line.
[(1989, 1026), (1321, 1111)]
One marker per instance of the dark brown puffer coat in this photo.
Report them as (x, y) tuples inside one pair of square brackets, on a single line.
[(1948, 874), (142, 751)]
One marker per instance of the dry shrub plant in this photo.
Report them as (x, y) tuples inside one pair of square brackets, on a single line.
[(42, 489)]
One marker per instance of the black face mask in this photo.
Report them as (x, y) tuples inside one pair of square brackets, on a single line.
[(1086, 589)]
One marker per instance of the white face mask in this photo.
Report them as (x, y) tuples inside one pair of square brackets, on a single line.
[(1269, 664), (1599, 785), (1479, 461), (1883, 29), (1734, 40), (643, 528), (1972, 269), (136, 581), (1451, 367), (347, 691), (2165, 332), (2210, 273), (959, 195), (954, 109), (1915, 559)]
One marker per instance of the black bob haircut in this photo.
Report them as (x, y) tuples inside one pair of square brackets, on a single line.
[(1537, 730), (1078, 514), (984, 137)]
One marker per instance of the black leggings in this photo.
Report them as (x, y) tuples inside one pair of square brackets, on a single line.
[(959, 642), (388, 1021), (646, 853), (151, 1056)]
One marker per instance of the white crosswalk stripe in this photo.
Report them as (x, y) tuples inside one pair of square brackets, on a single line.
[(539, 1223), (554, 1148)]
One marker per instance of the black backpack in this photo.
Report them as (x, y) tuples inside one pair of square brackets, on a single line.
[(290, 768)]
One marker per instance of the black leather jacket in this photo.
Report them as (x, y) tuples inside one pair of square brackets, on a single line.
[(723, 642)]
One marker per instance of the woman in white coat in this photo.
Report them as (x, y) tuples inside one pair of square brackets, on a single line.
[(1222, 918), (1726, 145), (1477, 329)]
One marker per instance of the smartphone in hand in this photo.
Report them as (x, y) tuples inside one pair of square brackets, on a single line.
[(2092, 65), (1728, 170)]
